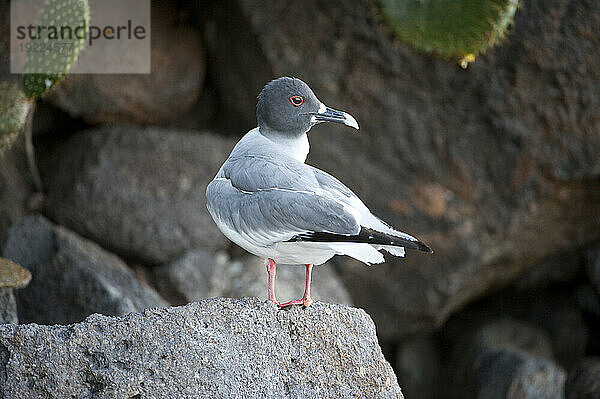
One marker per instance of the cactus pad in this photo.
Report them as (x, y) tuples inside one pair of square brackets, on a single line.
[(55, 55), (459, 29)]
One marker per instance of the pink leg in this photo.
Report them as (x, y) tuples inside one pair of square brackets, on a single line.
[(271, 272), (305, 300)]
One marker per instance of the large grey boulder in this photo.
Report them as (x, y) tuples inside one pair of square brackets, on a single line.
[(72, 277), (515, 375), (139, 192), (475, 162), (217, 348), (199, 274), (15, 186), (160, 97), (507, 358)]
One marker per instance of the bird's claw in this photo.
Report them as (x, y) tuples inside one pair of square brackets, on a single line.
[(304, 302)]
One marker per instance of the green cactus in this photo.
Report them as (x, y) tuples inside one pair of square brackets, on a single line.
[(14, 107), (450, 28), (43, 69)]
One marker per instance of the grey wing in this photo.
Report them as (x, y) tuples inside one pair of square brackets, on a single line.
[(373, 229), (266, 202), (255, 173), (333, 186)]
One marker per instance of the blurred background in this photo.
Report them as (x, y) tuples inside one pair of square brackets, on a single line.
[(489, 155)]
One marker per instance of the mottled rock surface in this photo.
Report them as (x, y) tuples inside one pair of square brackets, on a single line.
[(217, 348), (199, 274), (139, 192), (475, 162), (72, 277)]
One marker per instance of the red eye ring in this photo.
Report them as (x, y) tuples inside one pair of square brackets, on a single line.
[(296, 101)]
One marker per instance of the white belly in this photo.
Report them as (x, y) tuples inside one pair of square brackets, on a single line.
[(287, 253)]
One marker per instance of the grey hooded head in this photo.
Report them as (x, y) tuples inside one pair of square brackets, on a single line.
[(287, 106)]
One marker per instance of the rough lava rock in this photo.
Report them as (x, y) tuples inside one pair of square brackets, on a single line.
[(199, 274), (475, 162), (72, 277), (139, 192), (217, 348)]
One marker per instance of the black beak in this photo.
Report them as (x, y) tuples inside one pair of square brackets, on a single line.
[(327, 114)]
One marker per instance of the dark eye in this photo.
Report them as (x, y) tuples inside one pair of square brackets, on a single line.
[(296, 100)]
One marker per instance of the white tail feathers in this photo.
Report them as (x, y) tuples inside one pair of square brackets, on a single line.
[(396, 251), (365, 253)]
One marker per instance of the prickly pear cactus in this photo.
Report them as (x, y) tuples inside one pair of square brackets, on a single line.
[(56, 55), (458, 29), (14, 107)]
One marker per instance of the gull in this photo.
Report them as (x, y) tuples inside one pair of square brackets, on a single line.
[(267, 200)]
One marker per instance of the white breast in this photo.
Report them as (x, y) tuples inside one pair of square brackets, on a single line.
[(295, 147)]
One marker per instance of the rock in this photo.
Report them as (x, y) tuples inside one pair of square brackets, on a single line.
[(12, 276), (584, 380), (217, 348), (509, 359), (560, 268), (593, 268), (8, 306), (15, 186), (198, 274), (475, 162), (588, 300), (140, 192), (177, 65), (553, 310), (245, 79), (513, 335), (418, 367), (515, 375), (558, 314), (72, 277)]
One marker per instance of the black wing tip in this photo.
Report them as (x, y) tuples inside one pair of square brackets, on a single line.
[(423, 247), (366, 235)]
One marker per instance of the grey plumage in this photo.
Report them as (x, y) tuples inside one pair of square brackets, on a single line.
[(267, 200)]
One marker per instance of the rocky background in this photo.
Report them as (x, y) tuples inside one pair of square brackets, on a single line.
[(496, 167)]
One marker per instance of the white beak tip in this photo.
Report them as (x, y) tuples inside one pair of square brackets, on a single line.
[(350, 121)]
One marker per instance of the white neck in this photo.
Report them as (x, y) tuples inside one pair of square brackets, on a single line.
[(296, 147)]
